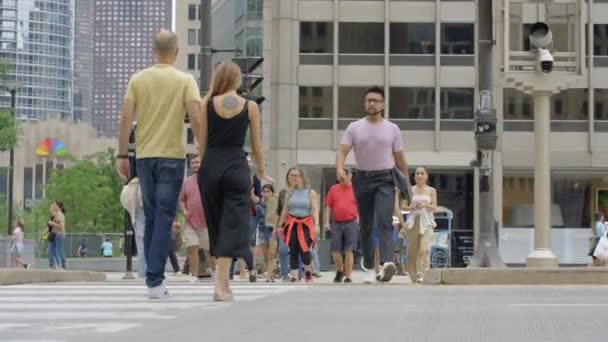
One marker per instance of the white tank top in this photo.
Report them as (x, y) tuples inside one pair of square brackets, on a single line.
[(427, 219)]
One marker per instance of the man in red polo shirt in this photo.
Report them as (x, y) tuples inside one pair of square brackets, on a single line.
[(341, 206)]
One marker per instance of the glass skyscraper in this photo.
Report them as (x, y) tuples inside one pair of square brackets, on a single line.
[(36, 42)]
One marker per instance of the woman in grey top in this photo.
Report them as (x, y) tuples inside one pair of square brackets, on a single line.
[(300, 215)]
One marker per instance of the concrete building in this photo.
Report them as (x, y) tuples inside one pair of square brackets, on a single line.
[(188, 29), (36, 41), (34, 160), (84, 48), (324, 55), (124, 32)]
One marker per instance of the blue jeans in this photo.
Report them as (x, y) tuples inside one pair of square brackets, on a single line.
[(52, 255), (60, 249), (283, 258), (314, 256), (161, 181)]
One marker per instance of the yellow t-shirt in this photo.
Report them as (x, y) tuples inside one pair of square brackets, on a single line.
[(160, 94)]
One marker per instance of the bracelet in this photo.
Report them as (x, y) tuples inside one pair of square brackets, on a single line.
[(122, 156)]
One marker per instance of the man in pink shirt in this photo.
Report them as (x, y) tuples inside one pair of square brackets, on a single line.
[(378, 149), (195, 233)]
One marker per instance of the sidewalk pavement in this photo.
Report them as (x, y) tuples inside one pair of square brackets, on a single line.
[(325, 279)]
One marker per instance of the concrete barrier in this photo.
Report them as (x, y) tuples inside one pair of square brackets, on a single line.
[(517, 276), (19, 276)]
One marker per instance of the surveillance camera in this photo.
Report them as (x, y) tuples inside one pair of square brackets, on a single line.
[(546, 60)]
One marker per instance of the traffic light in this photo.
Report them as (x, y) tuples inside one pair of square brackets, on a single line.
[(250, 81), (485, 129)]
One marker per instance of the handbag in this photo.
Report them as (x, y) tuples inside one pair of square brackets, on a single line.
[(52, 236)]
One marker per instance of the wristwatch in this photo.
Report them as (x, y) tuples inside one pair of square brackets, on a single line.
[(122, 156)]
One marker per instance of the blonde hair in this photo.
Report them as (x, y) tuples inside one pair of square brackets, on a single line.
[(20, 224), (226, 77)]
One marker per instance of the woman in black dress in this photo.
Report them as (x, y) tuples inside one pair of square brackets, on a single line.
[(224, 176)]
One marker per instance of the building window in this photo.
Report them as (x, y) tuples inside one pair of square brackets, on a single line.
[(574, 197), (316, 102), (457, 103), (191, 12), (361, 38), (254, 42), (351, 102), (570, 104), (457, 39), (517, 105), (255, 9), (191, 61), (412, 103), (191, 37), (316, 37), (600, 39), (413, 38), (601, 104)]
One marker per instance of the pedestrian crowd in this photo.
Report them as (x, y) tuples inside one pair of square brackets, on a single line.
[(230, 207)]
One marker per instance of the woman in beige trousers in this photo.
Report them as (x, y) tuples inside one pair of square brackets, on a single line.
[(420, 225)]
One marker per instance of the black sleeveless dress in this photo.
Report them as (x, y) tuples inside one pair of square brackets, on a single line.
[(224, 179)]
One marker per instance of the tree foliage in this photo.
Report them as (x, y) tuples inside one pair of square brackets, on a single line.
[(90, 191), (9, 129)]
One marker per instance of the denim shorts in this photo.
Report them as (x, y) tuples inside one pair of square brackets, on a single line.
[(265, 234)]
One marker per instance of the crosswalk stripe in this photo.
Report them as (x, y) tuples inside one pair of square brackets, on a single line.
[(139, 291), (96, 307), (101, 306), (83, 315)]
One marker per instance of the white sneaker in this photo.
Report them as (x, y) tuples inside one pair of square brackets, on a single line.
[(387, 271), (159, 292), (370, 277), (193, 280)]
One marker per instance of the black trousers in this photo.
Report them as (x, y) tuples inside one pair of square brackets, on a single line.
[(295, 250), (375, 196)]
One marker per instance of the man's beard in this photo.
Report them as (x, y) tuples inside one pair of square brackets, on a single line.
[(375, 113)]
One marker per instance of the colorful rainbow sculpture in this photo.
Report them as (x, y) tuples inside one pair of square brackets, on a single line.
[(51, 147)]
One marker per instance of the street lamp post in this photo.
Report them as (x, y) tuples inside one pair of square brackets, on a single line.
[(12, 89)]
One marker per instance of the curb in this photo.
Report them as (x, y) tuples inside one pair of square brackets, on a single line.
[(517, 276), (17, 276)]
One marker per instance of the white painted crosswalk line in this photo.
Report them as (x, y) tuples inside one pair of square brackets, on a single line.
[(96, 307)]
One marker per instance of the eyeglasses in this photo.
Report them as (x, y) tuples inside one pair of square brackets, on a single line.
[(372, 101)]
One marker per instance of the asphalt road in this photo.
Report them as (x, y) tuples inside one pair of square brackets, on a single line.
[(308, 313)]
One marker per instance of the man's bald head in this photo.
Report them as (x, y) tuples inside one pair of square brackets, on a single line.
[(165, 42)]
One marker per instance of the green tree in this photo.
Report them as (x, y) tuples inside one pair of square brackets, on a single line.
[(9, 129), (90, 191)]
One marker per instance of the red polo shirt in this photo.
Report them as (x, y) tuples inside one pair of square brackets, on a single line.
[(341, 200)]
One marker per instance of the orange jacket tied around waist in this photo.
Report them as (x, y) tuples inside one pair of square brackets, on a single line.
[(300, 224)]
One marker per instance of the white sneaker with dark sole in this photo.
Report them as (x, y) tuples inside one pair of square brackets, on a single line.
[(159, 292), (387, 272), (370, 277)]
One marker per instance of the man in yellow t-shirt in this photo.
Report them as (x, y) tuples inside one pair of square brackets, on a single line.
[(159, 96)]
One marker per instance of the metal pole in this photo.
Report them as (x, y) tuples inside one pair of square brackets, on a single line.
[(542, 256), (10, 169), (206, 49), (486, 250)]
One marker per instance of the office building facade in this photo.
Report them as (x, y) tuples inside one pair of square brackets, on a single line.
[(36, 43), (325, 54), (84, 48), (124, 33)]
